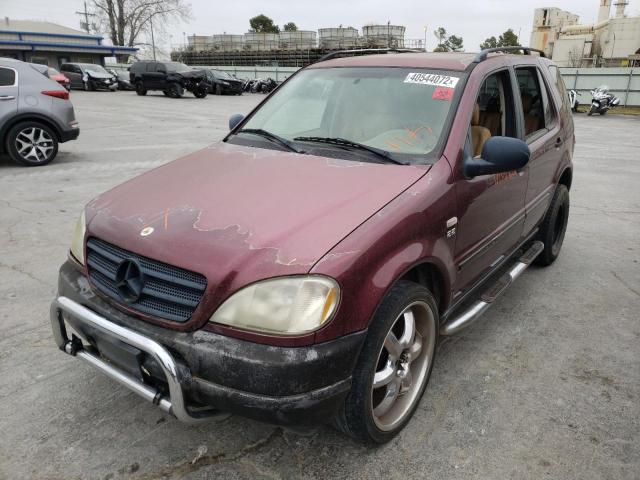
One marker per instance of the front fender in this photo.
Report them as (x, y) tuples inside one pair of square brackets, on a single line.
[(408, 231)]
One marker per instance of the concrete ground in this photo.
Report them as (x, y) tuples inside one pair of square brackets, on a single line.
[(546, 385)]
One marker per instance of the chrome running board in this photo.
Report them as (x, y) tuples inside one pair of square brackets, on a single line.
[(476, 309)]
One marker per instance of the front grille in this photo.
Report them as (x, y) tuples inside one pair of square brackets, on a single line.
[(169, 292)]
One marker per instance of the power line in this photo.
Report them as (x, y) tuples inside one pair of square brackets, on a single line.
[(86, 16)]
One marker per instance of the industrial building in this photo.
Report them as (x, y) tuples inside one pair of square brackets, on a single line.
[(289, 49), (51, 44), (611, 41)]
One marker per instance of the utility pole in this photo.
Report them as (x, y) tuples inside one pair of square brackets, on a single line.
[(86, 16), (153, 42)]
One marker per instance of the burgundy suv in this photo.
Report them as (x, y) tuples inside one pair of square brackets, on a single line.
[(303, 269)]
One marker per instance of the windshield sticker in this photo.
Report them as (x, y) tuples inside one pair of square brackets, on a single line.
[(443, 93), (432, 79)]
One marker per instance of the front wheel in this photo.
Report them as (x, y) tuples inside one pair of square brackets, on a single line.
[(394, 365), (200, 93), (175, 90), (88, 86), (32, 144), (592, 110), (554, 227)]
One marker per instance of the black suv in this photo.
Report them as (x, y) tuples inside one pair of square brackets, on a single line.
[(172, 78)]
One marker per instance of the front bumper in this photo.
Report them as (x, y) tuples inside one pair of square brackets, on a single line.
[(200, 369)]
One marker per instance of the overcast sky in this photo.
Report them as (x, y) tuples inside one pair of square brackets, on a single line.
[(473, 20)]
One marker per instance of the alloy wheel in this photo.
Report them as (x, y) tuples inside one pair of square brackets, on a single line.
[(34, 144), (403, 364)]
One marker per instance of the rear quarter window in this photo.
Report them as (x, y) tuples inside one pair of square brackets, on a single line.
[(555, 74), (7, 77)]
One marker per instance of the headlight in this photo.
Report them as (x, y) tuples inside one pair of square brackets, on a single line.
[(77, 242), (285, 305)]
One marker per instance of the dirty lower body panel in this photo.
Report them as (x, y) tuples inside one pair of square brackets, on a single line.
[(275, 384)]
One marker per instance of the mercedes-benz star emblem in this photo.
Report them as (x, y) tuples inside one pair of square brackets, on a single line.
[(129, 280)]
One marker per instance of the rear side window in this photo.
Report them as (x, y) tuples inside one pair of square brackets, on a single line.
[(7, 77), (536, 107), (65, 68), (562, 89)]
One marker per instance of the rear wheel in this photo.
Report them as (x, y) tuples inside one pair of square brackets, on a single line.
[(140, 90), (32, 144), (554, 227), (394, 365)]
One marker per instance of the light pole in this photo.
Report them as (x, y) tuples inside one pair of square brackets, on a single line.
[(426, 27), (153, 42)]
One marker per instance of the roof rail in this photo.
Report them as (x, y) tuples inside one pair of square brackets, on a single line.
[(367, 51), (484, 53)]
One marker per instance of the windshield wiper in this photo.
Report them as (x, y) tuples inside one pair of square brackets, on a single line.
[(270, 136), (343, 142)]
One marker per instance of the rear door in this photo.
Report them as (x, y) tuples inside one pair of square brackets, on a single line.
[(74, 73), (539, 115), (152, 77), (491, 207), (8, 93)]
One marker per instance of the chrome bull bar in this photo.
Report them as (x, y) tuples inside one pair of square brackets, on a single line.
[(174, 404)]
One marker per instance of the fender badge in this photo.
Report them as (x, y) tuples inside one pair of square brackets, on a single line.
[(146, 231)]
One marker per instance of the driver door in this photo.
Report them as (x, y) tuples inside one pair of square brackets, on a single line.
[(491, 207)]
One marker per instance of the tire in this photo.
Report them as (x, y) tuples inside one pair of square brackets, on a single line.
[(200, 93), (591, 110), (32, 144), (88, 87), (175, 90), (604, 112), (166, 93), (358, 417), (554, 227), (140, 90)]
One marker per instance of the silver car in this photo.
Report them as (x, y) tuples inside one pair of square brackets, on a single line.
[(35, 114)]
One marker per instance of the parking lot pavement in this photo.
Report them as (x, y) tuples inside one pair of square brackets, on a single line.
[(547, 384)]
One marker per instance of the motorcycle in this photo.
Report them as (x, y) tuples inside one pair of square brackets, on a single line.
[(263, 85), (602, 100), (573, 100)]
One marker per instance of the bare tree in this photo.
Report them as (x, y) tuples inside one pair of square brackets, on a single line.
[(125, 21)]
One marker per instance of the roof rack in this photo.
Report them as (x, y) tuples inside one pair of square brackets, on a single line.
[(368, 51), (484, 53)]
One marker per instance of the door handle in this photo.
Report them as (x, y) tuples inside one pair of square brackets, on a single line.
[(7, 97), (558, 142)]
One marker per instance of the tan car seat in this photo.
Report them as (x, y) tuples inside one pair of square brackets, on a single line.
[(479, 134), (492, 118), (530, 121)]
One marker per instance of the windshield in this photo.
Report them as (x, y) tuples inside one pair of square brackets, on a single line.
[(177, 67), (401, 111), (94, 68)]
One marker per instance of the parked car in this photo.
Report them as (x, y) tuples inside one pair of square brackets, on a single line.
[(35, 114), (304, 268), (172, 78), (89, 76), (122, 80), (221, 83)]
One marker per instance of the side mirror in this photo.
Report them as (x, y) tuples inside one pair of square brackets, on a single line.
[(235, 120), (499, 154)]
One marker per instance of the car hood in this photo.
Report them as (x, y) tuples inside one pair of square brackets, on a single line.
[(193, 74), (238, 214), (99, 75)]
